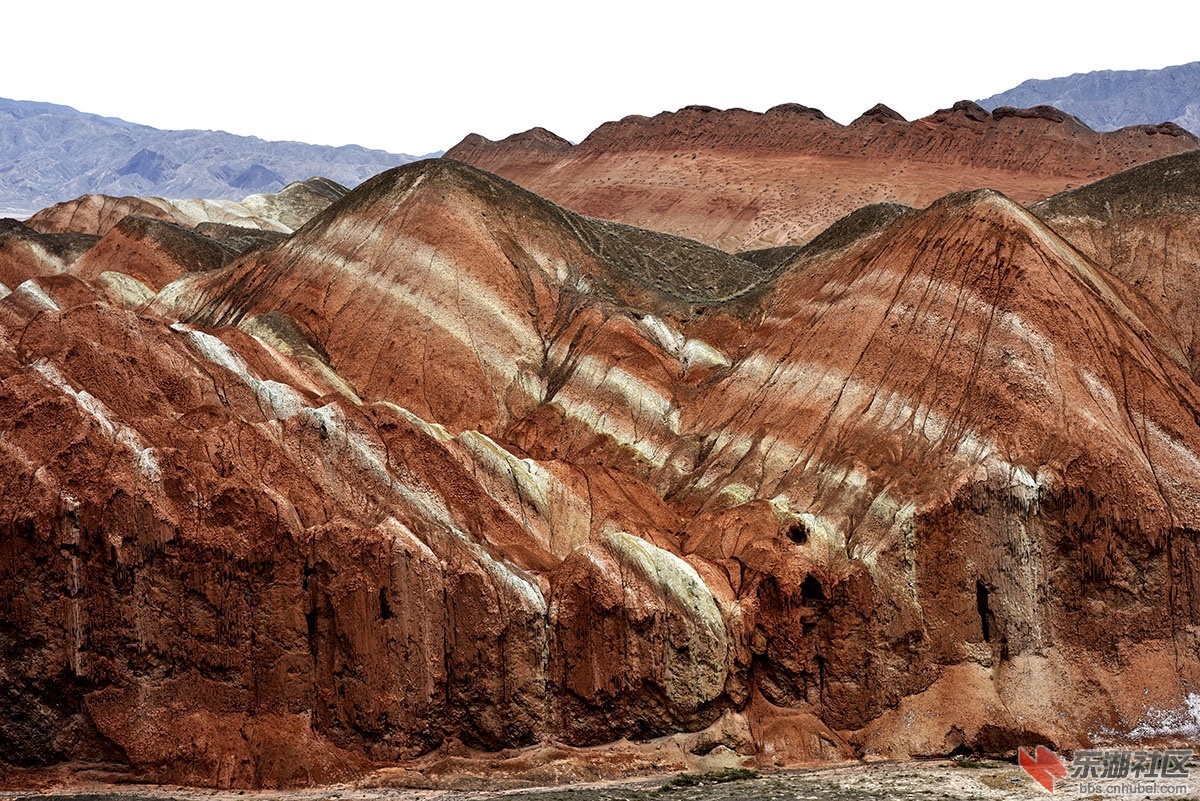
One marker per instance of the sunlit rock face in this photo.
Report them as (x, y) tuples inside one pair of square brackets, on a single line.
[(739, 180), (453, 467)]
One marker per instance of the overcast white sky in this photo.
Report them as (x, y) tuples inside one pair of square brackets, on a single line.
[(417, 78)]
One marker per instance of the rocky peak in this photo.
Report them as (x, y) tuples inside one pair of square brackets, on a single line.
[(797, 110), (880, 112), (963, 110), (1036, 113)]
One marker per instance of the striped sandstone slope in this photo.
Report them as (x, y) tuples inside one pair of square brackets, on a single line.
[(452, 468), (1141, 224), (738, 179), (130, 247), (283, 211)]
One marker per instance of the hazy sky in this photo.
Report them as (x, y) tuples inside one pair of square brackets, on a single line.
[(416, 78)]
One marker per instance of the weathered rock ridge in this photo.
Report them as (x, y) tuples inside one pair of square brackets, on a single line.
[(738, 179), (451, 466)]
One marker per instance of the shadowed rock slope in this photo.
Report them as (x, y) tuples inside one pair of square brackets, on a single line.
[(454, 468), (25, 252), (1141, 224), (738, 179)]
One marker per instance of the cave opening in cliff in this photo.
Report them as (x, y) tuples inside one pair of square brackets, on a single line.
[(812, 589), (798, 533), (981, 605), (385, 609), (310, 621)]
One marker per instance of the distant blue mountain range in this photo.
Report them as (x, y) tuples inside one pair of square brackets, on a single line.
[(50, 153), (1109, 99)]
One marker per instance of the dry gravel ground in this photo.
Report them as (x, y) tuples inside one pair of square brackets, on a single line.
[(915, 781)]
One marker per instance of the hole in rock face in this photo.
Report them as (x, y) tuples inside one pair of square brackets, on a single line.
[(385, 609), (811, 589), (310, 620), (798, 533), (981, 605)]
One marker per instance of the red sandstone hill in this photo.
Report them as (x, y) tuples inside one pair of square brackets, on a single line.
[(1141, 225), (452, 467), (737, 179)]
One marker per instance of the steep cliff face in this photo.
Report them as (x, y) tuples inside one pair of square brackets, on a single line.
[(454, 465), (206, 617), (738, 179)]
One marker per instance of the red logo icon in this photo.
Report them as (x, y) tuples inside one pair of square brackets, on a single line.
[(1045, 768)]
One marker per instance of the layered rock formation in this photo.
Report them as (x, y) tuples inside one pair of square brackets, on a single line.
[(25, 252), (130, 247), (1141, 225), (737, 179), (282, 212), (452, 467)]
